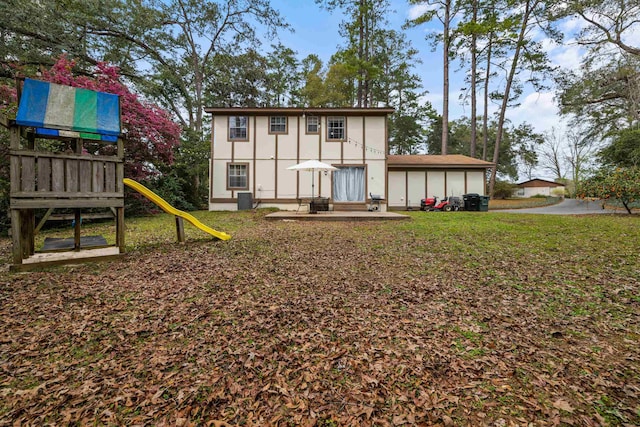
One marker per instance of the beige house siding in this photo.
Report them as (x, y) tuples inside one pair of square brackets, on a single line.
[(397, 188), (540, 187), (269, 154), (412, 178), (476, 182)]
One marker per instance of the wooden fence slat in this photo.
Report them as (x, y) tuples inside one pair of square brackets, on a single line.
[(31, 153), (71, 175), (110, 177), (28, 174), (119, 177), (98, 177), (44, 174), (15, 174), (66, 203), (85, 175), (57, 175), (62, 194)]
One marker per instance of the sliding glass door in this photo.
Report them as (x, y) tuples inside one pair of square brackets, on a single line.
[(348, 184)]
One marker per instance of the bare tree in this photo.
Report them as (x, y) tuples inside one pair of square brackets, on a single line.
[(580, 152), (570, 154), (552, 155)]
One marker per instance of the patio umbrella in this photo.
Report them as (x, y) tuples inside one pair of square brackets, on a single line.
[(313, 166)]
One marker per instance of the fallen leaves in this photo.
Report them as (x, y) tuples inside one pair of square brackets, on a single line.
[(326, 325), (564, 405)]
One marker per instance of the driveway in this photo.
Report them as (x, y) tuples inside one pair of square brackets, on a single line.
[(566, 207)]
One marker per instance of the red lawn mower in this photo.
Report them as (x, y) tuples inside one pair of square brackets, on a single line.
[(431, 204)]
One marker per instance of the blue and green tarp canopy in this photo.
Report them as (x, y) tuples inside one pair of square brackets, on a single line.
[(67, 111)]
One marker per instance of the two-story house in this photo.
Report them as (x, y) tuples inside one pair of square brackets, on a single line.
[(253, 147)]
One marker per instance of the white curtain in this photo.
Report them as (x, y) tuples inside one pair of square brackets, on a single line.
[(348, 184)]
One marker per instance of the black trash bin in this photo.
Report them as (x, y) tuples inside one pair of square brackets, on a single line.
[(484, 203), (471, 201)]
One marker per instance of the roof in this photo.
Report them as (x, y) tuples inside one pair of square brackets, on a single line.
[(296, 111), (446, 161), (46, 105), (540, 183)]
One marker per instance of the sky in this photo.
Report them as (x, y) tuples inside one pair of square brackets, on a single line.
[(317, 31)]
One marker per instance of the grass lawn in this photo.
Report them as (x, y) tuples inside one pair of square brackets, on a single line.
[(464, 319)]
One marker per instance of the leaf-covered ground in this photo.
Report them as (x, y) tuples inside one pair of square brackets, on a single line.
[(469, 319)]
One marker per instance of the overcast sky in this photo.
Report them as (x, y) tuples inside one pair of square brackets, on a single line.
[(316, 31)]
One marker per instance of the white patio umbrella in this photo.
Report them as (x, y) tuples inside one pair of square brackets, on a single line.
[(313, 166)]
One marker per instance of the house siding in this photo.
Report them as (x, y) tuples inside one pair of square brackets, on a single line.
[(268, 156), (475, 182), (408, 186), (537, 187)]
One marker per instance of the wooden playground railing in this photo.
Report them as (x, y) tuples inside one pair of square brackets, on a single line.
[(39, 176)]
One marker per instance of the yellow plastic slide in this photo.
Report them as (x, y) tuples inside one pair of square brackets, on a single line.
[(173, 211)]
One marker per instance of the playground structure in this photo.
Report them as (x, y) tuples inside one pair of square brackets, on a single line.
[(58, 160), (180, 215), (52, 168)]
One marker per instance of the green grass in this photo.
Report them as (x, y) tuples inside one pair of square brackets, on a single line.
[(464, 314)]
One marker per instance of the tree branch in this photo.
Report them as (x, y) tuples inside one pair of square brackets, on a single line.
[(611, 38)]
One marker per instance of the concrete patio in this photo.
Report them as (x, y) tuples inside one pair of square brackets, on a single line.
[(337, 216)]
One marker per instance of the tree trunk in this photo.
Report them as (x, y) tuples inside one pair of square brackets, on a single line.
[(485, 114), (366, 96), (445, 89), (507, 91), (360, 93), (474, 119)]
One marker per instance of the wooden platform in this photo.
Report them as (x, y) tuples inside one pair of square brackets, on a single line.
[(337, 216), (48, 259)]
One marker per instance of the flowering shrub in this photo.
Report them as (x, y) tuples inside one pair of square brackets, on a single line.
[(622, 184), (151, 135)]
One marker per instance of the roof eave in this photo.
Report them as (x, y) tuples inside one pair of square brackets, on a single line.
[(438, 166), (297, 111)]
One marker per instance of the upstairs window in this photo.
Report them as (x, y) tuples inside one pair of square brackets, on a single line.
[(335, 128), (313, 124), (278, 124), (238, 128)]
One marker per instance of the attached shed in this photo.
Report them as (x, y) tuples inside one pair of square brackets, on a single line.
[(414, 177), (542, 187)]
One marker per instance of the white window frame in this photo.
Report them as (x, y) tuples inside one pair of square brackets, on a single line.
[(333, 126), (309, 122), (278, 124), (235, 126), (234, 170)]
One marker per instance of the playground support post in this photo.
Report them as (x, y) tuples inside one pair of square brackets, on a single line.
[(180, 229)]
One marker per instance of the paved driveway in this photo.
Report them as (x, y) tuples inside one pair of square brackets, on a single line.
[(566, 207)]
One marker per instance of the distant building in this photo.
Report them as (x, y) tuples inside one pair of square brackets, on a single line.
[(541, 187)]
